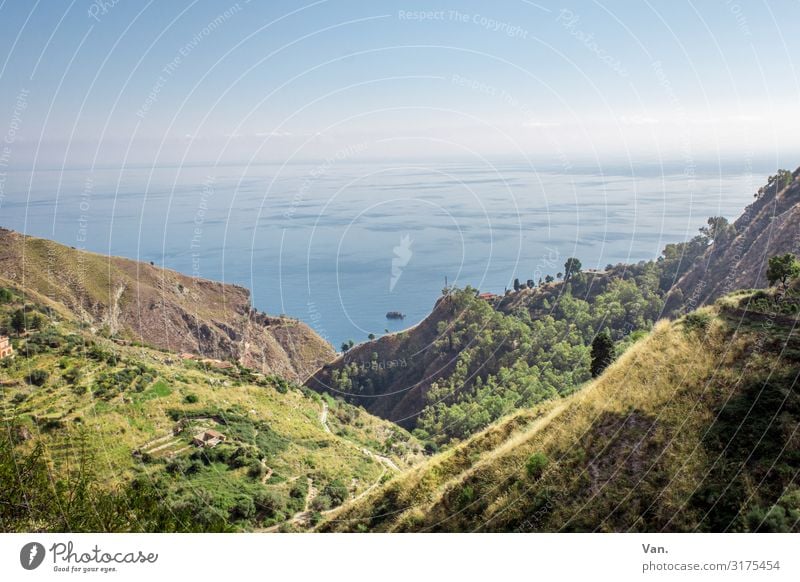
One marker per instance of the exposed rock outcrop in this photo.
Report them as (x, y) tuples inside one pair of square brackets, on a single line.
[(162, 308)]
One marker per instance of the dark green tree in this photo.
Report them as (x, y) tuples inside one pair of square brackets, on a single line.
[(571, 267), (36, 321), (37, 377), (782, 269), (18, 321), (718, 229), (516, 285), (602, 352)]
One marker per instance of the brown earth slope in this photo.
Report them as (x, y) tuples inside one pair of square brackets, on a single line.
[(769, 226), (161, 308), (400, 367)]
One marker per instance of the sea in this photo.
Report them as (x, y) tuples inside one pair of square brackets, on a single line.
[(339, 243)]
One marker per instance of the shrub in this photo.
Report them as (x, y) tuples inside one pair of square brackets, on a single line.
[(72, 375), (321, 503), (191, 399), (773, 520), (37, 377), (243, 508), (315, 517), (176, 466), (466, 496), (602, 352), (536, 464), (697, 321), (255, 469), (298, 490), (271, 504), (336, 491)]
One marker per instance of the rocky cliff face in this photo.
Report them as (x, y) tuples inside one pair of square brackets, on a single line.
[(769, 226), (162, 308)]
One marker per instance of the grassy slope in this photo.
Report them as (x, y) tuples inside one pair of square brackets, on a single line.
[(160, 307), (271, 420), (689, 429)]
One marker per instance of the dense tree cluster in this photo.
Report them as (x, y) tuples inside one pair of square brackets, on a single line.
[(508, 361)]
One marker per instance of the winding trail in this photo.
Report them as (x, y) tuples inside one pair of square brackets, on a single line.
[(381, 459), (301, 517)]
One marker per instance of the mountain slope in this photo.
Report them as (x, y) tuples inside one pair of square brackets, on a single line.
[(472, 361), (696, 427), (161, 308), (126, 416), (768, 227), (406, 365), (475, 359)]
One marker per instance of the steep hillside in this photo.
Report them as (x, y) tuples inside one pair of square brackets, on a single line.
[(474, 360), (397, 369), (121, 416), (737, 260), (161, 308), (695, 428), (477, 358)]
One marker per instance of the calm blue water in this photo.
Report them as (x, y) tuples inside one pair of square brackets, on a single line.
[(339, 244)]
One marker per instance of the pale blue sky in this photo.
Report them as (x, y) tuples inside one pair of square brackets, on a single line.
[(135, 82)]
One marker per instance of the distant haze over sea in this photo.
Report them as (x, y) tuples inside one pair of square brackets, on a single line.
[(340, 243)]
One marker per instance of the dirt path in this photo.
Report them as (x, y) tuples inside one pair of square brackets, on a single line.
[(301, 518), (380, 458), (310, 494)]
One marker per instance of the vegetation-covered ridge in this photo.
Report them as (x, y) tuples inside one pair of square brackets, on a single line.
[(738, 258), (98, 435), (134, 301), (474, 360), (695, 428), (478, 356)]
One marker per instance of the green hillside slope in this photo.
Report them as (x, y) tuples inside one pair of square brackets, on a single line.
[(695, 428), (117, 413)]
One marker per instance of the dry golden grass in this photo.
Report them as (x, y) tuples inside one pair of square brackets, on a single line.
[(624, 453)]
